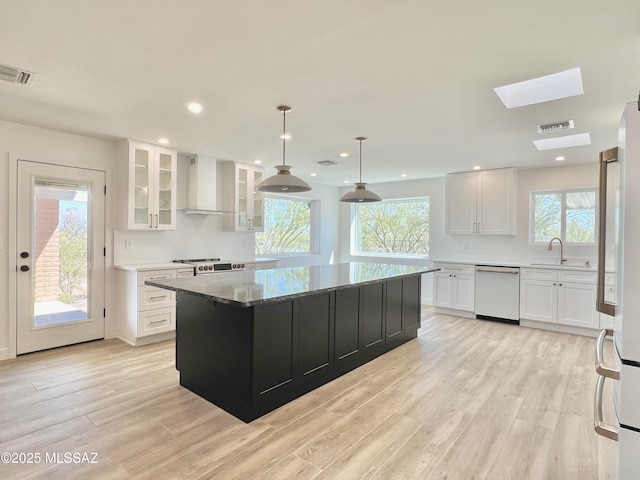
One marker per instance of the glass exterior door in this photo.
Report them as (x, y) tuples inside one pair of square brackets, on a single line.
[(60, 274)]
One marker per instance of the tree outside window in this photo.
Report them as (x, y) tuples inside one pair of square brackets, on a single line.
[(567, 214), (399, 227), (287, 227)]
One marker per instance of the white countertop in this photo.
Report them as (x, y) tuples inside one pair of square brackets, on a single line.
[(521, 263), (141, 267)]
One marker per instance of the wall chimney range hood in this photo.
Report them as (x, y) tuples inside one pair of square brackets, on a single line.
[(201, 186)]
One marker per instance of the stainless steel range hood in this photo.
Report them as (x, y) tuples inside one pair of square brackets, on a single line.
[(201, 187)]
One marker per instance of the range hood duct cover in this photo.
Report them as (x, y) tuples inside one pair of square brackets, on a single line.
[(201, 186)]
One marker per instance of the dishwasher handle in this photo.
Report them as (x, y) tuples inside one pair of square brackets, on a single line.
[(507, 270)]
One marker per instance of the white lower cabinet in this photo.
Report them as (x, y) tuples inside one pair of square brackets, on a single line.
[(147, 310), (566, 297), (454, 287)]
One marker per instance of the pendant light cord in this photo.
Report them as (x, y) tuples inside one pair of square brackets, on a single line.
[(284, 136), (360, 141)]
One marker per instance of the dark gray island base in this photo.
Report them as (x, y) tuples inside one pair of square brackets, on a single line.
[(253, 341)]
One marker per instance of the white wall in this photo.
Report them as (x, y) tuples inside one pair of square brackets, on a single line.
[(48, 146), (434, 189), (203, 235), (477, 247), (326, 240)]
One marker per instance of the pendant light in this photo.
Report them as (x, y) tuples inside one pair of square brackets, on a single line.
[(283, 181), (360, 194)]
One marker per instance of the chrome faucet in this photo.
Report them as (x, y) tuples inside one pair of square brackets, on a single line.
[(550, 246)]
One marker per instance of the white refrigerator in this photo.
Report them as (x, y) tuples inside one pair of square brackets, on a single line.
[(619, 292)]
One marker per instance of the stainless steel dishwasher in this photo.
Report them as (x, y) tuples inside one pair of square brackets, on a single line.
[(498, 293)]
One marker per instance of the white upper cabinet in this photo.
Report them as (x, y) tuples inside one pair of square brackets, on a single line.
[(241, 198), (148, 174), (480, 203)]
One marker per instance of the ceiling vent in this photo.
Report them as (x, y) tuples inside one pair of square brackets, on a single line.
[(552, 127), (16, 75), (327, 163)]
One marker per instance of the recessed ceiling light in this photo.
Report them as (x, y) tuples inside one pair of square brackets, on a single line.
[(313, 174), (403, 175), (163, 140), (476, 167), (563, 142), (194, 107), (559, 158), (346, 181), (344, 154), (257, 161), (285, 136), (541, 89)]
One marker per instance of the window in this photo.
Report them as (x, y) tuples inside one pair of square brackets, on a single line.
[(567, 214), (287, 226), (391, 227)]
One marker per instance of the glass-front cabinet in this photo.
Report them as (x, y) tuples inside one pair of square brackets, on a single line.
[(150, 200), (246, 203)]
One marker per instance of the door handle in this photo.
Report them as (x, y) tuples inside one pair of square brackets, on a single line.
[(24, 268)]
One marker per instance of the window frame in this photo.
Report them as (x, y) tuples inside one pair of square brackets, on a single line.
[(353, 233), (314, 226), (563, 212)]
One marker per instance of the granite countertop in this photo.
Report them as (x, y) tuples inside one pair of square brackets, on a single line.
[(248, 288)]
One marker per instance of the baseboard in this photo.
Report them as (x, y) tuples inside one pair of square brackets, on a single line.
[(4, 354), (556, 327), (159, 337), (454, 312)]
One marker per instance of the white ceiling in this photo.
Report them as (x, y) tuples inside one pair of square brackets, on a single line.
[(415, 77)]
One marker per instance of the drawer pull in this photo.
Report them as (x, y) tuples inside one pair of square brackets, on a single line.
[(157, 321), (157, 296), (600, 366)]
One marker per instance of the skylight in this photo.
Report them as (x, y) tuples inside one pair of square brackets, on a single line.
[(541, 89), (563, 142)]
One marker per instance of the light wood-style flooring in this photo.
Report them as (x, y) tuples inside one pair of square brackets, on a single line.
[(468, 399)]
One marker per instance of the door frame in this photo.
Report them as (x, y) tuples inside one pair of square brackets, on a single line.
[(12, 251)]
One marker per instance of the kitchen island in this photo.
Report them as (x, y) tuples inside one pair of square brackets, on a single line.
[(249, 342)]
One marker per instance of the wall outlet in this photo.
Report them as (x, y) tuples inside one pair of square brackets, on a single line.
[(128, 244)]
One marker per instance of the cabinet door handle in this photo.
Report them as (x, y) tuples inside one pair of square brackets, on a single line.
[(478, 228), (600, 366), (150, 221), (603, 429), (474, 227)]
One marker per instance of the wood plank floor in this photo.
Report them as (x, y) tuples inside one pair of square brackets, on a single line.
[(468, 399)]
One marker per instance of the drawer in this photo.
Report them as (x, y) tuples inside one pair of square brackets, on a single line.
[(156, 321), (577, 276), (185, 272), (156, 275), (458, 268), (151, 297), (539, 274)]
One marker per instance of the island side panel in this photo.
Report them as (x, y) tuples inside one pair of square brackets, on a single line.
[(348, 337), (372, 319), (316, 334), (394, 332), (411, 306), (213, 351), (275, 351)]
